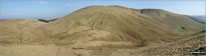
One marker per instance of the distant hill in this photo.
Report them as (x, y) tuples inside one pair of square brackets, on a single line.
[(175, 22), (2, 19), (47, 21), (200, 19), (201, 16)]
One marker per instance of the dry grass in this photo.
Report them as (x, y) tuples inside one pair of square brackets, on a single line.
[(98, 30)]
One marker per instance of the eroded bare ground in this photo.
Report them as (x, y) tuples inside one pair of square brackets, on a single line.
[(177, 48)]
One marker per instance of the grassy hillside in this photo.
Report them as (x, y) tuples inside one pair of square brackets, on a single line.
[(20, 31), (102, 30), (109, 23), (176, 22)]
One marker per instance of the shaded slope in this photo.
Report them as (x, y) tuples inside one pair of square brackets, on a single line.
[(117, 24), (198, 19), (175, 21)]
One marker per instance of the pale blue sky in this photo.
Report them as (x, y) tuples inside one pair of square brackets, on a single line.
[(54, 9)]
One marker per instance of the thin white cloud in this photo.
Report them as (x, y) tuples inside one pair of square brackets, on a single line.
[(43, 2)]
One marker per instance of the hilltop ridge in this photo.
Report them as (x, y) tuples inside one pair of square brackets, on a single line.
[(99, 30)]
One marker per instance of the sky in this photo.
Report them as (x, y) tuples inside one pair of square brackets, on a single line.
[(50, 9)]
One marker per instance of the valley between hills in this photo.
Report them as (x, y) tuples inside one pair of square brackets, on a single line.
[(103, 31)]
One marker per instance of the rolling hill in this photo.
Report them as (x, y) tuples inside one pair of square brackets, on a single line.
[(100, 27), (21, 31), (175, 22), (200, 19), (120, 24)]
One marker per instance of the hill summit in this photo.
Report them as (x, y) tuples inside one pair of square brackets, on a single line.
[(102, 31), (111, 26)]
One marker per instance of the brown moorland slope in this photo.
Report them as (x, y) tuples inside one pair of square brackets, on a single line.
[(96, 28), (175, 21), (21, 31), (108, 23)]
